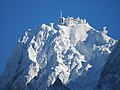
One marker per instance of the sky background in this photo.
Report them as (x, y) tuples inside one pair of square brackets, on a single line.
[(17, 16)]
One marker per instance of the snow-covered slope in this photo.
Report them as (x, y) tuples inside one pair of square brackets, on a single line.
[(75, 53), (110, 77)]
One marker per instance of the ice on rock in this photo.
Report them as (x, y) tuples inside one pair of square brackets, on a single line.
[(31, 53), (52, 24), (105, 31), (74, 52)]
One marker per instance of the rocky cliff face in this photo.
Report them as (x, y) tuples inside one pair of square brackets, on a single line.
[(58, 85), (72, 55), (110, 76)]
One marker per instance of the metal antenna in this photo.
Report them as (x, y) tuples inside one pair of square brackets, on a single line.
[(60, 13)]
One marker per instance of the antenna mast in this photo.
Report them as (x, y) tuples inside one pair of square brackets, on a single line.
[(60, 13)]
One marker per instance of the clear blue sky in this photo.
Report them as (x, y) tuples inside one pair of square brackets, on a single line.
[(16, 16)]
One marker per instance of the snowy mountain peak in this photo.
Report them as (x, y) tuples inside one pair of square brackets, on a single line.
[(73, 52)]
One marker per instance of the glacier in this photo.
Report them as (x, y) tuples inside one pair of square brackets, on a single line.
[(73, 55)]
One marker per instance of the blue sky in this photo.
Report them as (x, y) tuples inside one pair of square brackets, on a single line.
[(16, 16)]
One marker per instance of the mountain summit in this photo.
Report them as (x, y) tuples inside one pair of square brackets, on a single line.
[(73, 55)]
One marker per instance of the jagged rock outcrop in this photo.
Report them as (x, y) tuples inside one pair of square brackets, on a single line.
[(58, 85)]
